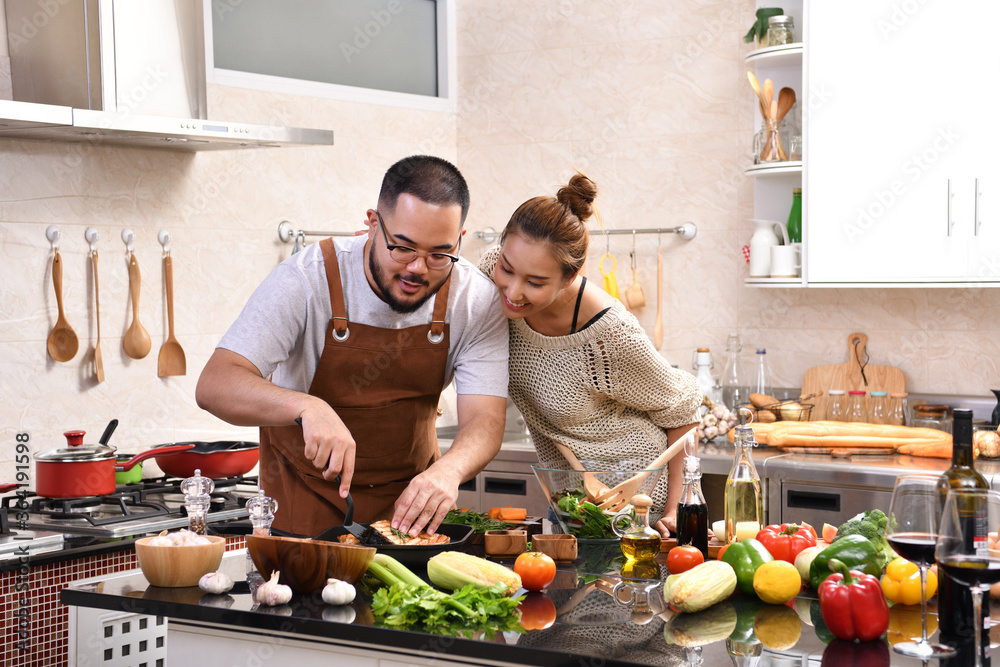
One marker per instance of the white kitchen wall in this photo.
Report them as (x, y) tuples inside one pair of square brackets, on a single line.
[(647, 97)]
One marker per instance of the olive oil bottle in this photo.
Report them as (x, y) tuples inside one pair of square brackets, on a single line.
[(638, 540), (744, 510)]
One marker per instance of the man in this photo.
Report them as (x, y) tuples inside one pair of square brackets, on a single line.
[(359, 337)]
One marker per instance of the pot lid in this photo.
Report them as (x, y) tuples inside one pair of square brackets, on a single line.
[(76, 450)]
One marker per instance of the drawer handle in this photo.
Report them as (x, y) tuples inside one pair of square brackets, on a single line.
[(811, 500), (510, 487), (468, 486)]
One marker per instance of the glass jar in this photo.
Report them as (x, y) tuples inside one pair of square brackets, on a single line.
[(836, 405), (856, 411), (932, 416), (897, 408), (762, 150), (779, 30), (879, 410)]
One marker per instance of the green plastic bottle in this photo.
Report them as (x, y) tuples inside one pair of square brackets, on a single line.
[(795, 217)]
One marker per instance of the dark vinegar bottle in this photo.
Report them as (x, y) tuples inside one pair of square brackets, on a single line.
[(955, 599), (692, 511)]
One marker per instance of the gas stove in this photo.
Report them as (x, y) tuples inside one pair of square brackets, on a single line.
[(133, 509)]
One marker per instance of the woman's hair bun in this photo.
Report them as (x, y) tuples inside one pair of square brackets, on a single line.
[(579, 195)]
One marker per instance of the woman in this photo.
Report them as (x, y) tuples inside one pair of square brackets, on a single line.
[(582, 370)]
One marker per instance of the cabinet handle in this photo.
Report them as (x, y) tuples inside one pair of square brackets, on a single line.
[(812, 500), (950, 223), (976, 220), (509, 487)]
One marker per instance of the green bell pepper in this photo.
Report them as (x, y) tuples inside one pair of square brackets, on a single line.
[(855, 551), (745, 557), (746, 611)]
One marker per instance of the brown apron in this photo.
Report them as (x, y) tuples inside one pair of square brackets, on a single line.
[(385, 385)]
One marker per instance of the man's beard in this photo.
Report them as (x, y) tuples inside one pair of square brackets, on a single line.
[(384, 287)]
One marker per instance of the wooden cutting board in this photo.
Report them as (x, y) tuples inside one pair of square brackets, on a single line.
[(856, 375)]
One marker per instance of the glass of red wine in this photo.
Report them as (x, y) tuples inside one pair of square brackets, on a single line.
[(963, 545), (912, 531)]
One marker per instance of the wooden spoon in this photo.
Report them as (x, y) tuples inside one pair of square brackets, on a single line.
[(171, 360), (760, 95), (136, 342), (768, 91), (63, 342), (658, 327), (786, 98), (591, 484), (634, 295), (98, 359)]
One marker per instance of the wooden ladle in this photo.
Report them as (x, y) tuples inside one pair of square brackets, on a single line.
[(171, 360), (63, 342), (98, 358), (136, 342)]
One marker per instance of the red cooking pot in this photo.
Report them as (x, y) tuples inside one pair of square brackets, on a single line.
[(83, 470), (215, 459)]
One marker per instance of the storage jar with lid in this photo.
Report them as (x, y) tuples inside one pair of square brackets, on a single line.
[(779, 30), (836, 405), (879, 409), (897, 408), (856, 411), (932, 416)]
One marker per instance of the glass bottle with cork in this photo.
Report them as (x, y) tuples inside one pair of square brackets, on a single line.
[(794, 224), (735, 385), (692, 510), (744, 511), (638, 540), (954, 599)]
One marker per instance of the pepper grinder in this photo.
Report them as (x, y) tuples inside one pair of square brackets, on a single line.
[(197, 497), (261, 509)]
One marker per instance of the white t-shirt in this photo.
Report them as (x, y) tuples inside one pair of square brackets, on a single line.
[(282, 328)]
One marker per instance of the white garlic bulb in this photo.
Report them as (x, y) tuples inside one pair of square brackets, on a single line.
[(216, 582), (337, 592), (271, 593)]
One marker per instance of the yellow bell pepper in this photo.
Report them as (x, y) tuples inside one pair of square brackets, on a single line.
[(905, 624), (901, 582)]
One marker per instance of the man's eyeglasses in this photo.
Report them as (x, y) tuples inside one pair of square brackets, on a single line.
[(405, 254)]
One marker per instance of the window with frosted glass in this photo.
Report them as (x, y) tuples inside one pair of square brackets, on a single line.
[(381, 44)]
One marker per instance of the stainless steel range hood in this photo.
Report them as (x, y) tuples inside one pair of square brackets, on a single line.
[(122, 72)]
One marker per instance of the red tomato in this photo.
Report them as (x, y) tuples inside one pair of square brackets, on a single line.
[(537, 570), (722, 551), (537, 611), (682, 559)]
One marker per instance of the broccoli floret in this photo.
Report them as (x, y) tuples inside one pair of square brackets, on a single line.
[(879, 518), (870, 525)]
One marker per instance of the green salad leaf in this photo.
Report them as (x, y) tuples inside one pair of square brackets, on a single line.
[(584, 518), (463, 613), (480, 522)]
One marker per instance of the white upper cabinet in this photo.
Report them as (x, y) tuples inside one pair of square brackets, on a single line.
[(900, 129)]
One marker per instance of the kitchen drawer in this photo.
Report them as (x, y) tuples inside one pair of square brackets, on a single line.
[(468, 494), (817, 504)]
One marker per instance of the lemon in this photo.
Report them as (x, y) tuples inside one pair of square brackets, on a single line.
[(778, 628), (777, 582)]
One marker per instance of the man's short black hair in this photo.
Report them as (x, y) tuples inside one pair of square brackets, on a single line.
[(430, 179)]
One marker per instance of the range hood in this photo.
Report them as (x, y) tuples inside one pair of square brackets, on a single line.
[(122, 72)]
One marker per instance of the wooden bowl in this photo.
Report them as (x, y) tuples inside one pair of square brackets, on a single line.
[(506, 542), (558, 547), (181, 565), (306, 564)]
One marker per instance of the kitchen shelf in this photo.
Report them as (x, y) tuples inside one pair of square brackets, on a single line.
[(773, 168), (786, 54), (774, 282)]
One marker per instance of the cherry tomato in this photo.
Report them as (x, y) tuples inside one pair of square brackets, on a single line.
[(722, 551), (538, 611), (537, 570), (683, 558)]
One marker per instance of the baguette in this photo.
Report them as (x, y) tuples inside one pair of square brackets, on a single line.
[(934, 451)]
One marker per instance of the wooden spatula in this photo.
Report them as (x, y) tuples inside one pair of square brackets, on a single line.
[(616, 498), (591, 485), (658, 327), (98, 357)]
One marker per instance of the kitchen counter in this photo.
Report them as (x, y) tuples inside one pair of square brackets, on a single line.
[(591, 627)]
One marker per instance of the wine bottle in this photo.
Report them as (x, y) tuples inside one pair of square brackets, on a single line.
[(954, 598), (692, 510)]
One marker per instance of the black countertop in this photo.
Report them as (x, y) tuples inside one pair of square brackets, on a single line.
[(590, 624)]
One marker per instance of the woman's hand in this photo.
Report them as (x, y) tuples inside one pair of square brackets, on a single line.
[(668, 524)]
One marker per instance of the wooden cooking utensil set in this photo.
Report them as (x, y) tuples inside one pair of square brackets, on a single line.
[(136, 343), (773, 112)]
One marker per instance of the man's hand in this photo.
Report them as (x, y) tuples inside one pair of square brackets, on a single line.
[(426, 501), (328, 444)]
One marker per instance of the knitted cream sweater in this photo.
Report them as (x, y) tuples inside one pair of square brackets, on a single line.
[(605, 391)]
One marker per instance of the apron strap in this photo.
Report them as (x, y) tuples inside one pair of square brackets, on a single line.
[(340, 330), (436, 334)]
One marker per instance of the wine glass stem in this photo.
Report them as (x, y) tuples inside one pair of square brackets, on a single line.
[(923, 603), (977, 621)]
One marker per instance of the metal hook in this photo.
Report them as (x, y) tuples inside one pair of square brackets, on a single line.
[(92, 236), (300, 238), (53, 234), (607, 242), (632, 254), (128, 238), (163, 236)]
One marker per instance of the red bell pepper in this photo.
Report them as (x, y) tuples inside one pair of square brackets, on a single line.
[(842, 653), (784, 542), (852, 604)]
